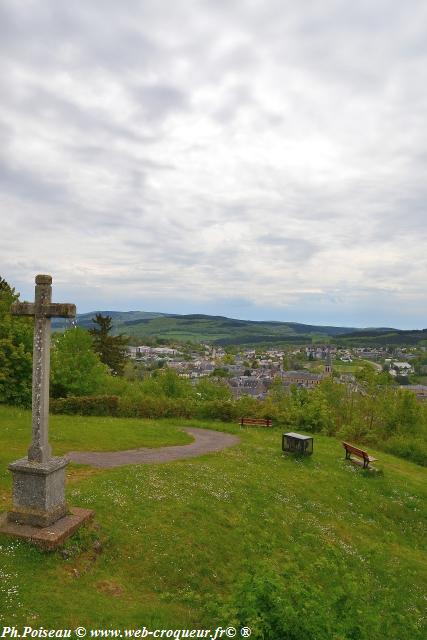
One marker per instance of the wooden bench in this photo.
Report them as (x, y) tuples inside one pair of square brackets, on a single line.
[(256, 422), (351, 449)]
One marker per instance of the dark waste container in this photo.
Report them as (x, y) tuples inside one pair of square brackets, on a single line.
[(296, 443)]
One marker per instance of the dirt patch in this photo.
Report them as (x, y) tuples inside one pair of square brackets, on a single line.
[(111, 588)]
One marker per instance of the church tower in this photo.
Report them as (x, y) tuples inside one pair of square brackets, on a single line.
[(328, 364)]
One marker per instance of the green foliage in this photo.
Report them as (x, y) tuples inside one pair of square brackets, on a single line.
[(111, 349), (86, 406), (76, 370), (220, 372), (156, 407), (420, 364), (223, 410), (411, 447), (277, 605), (207, 389), (16, 336), (168, 384)]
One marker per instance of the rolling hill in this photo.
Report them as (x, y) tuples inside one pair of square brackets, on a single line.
[(220, 330), (213, 329)]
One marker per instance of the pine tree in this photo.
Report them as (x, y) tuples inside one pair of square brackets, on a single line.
[(111, 349)]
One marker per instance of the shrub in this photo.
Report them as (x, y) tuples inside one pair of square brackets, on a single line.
[(86, 405), (247, 407), (408, 447), (274, 606), (156, 407), (224, 410)]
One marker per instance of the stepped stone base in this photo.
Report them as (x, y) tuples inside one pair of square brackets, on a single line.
[(49, 537)]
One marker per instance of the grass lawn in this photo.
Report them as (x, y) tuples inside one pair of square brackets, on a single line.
[(244, 536), (339, 366)]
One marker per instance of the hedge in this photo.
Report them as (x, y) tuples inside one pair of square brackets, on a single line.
[(86, 405), (151, 407)]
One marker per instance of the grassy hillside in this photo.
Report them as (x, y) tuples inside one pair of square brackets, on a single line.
[(217, 329), (314, 548), (226, 331)]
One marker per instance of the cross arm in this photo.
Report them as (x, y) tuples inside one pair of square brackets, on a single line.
[(60, 310), (22, 309), (51, 310)]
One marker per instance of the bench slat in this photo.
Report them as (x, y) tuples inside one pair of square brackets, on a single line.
[(264, 422)]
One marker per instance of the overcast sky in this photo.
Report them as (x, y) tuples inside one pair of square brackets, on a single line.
[(262, 159)]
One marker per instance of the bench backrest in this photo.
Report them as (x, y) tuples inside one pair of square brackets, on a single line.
[(355, 450), (264, 422)]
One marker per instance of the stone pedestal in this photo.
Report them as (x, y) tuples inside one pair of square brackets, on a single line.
[(38, 492)]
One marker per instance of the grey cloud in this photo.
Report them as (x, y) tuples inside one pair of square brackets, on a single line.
[(31, 186), (157, 101), (236, 98), (293, 248), (72, 34), (50, 108)]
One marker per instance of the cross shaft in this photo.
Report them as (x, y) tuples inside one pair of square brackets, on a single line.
[(42, 309)]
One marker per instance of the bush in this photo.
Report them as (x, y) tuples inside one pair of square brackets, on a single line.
[(274, 606), (248, 407), (408, 447), (153, 407), (224, 410), (86, 405)]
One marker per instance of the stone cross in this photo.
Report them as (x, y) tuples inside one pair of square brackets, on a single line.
[(40, 512), (42, 309)]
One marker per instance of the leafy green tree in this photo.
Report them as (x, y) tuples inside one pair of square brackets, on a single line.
[(340, 400), (167, 383), (220, 372), (277, 392), (16, 345), (420, 364), (208, 389), (76, 369), (111, 349), (402, 413)]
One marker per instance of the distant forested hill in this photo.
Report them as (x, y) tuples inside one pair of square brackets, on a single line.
[(214, 329), (221, 330), (384, 337)]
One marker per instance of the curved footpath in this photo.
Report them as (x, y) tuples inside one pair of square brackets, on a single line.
[(205, 441)]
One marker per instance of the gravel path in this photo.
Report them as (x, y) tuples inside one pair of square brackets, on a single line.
[(205, 441)]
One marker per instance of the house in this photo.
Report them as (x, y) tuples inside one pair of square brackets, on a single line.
[(301, 378), (248, 386), (401, 368)]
